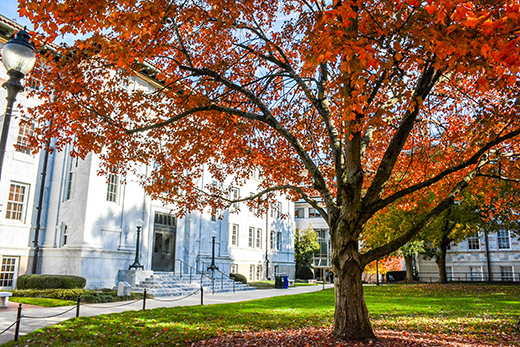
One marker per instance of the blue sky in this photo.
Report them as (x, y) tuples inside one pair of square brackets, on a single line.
[(9, 9)]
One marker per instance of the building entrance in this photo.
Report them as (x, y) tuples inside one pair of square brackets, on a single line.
[(165, 230)]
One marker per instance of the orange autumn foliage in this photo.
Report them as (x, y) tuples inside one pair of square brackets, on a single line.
[(365, 103)]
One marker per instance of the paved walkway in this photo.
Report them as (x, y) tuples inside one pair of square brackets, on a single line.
[(8, 316)]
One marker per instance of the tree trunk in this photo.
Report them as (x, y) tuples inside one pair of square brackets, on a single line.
[(351, 320), (408, 259), (441, 261)]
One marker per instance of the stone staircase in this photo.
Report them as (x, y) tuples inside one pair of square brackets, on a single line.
[(175, 284)]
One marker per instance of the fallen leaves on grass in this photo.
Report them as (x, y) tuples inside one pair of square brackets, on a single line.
[(314, 337)]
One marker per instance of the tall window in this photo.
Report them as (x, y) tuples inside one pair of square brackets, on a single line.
[(259, 272), (251, 272), (273, 239), (251, 242), (73, 168), (276, 269), (234, 235), (299, 212), (16, 201), (503, 239), (449, 273), (506, 273), (253, 208), (7, 271), (24, 133), (258, 238), (112, 186), (475, 273), (278, 241), (64, 234), (473, 242), (213, 214), (323, 252), (235, 196)]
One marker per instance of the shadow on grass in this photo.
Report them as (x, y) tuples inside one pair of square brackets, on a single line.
[(414, 308)]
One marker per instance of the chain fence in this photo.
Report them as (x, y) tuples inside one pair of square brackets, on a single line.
[(17, 322)]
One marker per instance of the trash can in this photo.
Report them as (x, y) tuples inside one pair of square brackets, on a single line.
[(281, 281), (285, 281), (278, 281)]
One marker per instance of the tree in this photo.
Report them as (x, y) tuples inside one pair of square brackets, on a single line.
[(362, 103), (305, 247)]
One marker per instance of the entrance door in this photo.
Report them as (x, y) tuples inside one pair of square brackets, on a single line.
[(163, 256)]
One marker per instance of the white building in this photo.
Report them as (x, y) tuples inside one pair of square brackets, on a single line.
[(87, 223), (306, 217), (482, 257)]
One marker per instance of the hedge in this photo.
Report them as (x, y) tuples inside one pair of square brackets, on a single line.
[(239, 278), (50, 282), (304, 273), (87, 296), (61, 294)]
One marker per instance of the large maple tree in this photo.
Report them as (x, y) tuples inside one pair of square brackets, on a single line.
[(364, 103)]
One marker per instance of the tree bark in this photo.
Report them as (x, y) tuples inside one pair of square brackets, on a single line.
[(408, 259), (351, 320), (440, 259)]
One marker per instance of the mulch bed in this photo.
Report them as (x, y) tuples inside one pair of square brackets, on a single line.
[(312, 337)]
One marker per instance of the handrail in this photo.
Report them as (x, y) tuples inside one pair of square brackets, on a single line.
[(204, 264), (192, 268)]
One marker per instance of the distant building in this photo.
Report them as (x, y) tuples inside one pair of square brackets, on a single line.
[(481, 257), (307, 217), (86, 224)]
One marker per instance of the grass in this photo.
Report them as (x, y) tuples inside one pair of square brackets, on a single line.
[(270, 284), (44, 302), (484, 311)]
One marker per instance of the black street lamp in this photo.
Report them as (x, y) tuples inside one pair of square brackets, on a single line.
[(137, 265), (213, 267), (18, 56)]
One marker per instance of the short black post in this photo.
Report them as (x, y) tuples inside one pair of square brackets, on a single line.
[(323, 283), (144, 300), (233, 285), (18, 320), (78, 301), (201, 295), (213, 284)]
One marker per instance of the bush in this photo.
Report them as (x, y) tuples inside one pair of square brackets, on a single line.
[(239, 278), (304, 273), (87, 296), (50, 282), (62, 294)]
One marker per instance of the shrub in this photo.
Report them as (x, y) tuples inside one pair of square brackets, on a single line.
[(87, 296), (305, 273), (239, 278), (62, 294), (50, 282)]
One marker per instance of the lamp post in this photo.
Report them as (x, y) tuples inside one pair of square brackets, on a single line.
[(136, 265), (212, 267), (18, 56)]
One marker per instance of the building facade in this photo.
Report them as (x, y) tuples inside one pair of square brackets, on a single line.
[(58, 216), (306, 217), (481, 257)]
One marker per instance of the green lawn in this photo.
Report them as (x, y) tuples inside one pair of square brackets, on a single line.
[(484, 311), (45, 302)]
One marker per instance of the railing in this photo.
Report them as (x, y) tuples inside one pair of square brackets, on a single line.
[(470, 277), (202, 264), (191, 271)]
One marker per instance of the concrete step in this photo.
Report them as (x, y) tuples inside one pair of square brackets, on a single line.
[(176, 284)]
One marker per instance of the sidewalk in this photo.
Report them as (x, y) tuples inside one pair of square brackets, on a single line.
[(8, 316)]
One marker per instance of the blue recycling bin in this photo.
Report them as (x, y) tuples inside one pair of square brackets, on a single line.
[(285, 281)]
